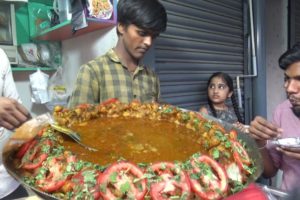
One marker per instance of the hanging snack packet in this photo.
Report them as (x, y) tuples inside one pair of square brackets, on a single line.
[(57, 90), (39, 85)]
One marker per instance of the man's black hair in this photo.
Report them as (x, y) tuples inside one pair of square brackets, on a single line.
[(291, 56), (149, 15)]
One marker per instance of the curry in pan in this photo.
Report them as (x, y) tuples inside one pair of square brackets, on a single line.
[(145, 151)]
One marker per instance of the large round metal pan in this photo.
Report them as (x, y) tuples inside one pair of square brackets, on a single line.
[(29, 129)]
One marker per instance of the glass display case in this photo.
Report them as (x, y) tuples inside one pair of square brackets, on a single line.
[(8, 39), (7, 31)]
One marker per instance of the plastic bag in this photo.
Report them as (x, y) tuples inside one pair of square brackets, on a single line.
[(39, 85), (43, 54), (57, 90), (40, 16)]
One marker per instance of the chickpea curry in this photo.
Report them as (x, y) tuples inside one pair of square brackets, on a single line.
[(138, 140)]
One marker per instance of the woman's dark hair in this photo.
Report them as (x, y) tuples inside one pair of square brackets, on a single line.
[(149, 15), (229, 82), (289, 57)]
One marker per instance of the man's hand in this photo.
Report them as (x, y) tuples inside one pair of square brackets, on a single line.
[(290, 152), (261, 129), (12, 113)]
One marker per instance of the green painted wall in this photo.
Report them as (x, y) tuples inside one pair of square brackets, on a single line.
[(22, 24)]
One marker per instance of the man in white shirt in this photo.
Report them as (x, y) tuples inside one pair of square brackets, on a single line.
[(12, 115)]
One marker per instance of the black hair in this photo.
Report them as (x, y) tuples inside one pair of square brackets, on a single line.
[(149, 15), (229, 82), (289, 57)]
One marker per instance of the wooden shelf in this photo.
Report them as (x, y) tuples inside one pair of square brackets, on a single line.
[(64, 31)]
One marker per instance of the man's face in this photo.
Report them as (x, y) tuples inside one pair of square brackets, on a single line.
[(136, 41), (292, 86)]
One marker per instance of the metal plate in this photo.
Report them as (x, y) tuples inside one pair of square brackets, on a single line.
[(292, 142)]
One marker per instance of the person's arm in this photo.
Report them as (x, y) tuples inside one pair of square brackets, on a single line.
[(262, 130), (12, 113)]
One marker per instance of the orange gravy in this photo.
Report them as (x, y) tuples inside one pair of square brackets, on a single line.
[(136, 140)]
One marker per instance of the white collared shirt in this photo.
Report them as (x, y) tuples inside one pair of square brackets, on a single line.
[(7, 89)]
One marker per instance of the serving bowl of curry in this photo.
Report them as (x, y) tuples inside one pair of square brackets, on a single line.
[(145, 151)]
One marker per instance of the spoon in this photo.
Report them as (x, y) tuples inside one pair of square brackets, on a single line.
[(72, 134)]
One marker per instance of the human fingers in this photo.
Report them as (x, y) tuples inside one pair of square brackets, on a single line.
[(291, 152), (6, 124), (15, 114), (241, 127), (261, 129), (24, 114), (11, 119)]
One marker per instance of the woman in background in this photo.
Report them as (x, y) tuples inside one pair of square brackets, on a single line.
[(219, 89)]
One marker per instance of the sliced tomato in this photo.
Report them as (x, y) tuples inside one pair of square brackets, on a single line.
[(50, 186), (85, 185), (240, 155), (122, 180), (53, 176), (36, 162), (24, 148), (109, 101), (208, 178), (36, 154), (169, 182)]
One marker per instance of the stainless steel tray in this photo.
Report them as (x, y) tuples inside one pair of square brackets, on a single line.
[(29, 129)]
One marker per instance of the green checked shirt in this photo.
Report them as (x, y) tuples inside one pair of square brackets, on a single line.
[(105, 77)]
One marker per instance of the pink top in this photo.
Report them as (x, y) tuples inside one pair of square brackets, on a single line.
[(284, 117)]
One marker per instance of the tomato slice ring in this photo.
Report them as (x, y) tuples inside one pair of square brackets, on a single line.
[(85, 183), (37, 162), (122, 180), (172, 183), (240, 155), (208, 178), (25, 147), (53, 178), (35, 154)]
